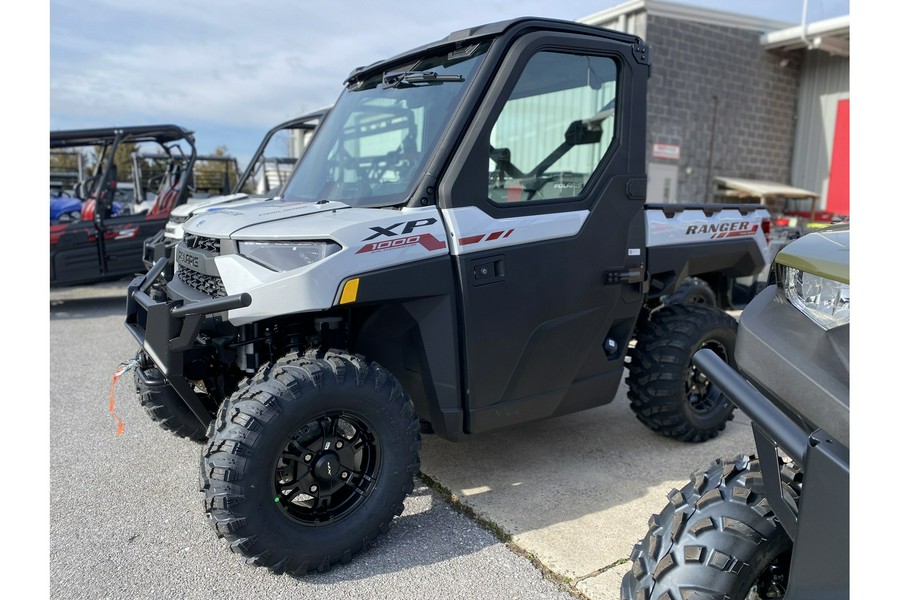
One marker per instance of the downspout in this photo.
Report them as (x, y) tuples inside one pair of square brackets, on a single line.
[(815, 43), (803, 37)]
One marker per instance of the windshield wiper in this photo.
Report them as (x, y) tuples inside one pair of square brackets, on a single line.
[(416, 77)]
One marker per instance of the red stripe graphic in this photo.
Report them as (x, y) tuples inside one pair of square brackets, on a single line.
[(474, 239)]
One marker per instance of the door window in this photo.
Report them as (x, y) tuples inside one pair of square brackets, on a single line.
[(554, 129)]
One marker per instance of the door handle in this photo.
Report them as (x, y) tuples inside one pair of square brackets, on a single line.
[(619, 276)]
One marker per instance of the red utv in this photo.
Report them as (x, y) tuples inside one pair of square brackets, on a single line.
[(107, 242)]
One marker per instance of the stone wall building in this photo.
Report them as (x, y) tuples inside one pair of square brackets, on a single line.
[(738, 97)]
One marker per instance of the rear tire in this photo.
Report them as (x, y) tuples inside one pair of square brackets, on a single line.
[(692, 290), (166, 407), (717, 538), (309, 463), (666, 391)]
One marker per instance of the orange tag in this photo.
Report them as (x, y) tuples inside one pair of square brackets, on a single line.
[(123, 368)]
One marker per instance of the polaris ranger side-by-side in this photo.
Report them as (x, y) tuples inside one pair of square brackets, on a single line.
[(464, 246), (106, 242)]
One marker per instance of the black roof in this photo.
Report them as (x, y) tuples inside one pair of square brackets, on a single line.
[(161, 134), (470, 35), (303, 121)]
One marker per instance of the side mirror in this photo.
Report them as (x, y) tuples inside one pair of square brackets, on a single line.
[(579, 133)]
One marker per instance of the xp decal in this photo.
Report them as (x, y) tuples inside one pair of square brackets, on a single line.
[(408, 227), (428, 241)]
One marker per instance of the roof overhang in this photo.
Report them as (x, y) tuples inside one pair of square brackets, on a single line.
[(734, 187), (674, 10), (830, 35)]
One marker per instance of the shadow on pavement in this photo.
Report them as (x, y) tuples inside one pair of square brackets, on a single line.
[(87, 308), (88, 301), (429, 532)]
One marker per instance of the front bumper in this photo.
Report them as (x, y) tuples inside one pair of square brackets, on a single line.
[(166, 329)]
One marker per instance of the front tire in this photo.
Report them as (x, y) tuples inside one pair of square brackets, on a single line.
[(310, 462), (166, 407), (717, 538), (666, 391)]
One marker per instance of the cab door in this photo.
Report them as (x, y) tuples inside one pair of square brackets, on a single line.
[(544, 206)]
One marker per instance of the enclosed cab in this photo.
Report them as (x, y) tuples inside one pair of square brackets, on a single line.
[(464, 246)]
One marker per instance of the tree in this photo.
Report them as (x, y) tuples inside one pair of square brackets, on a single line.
[(122, 160)]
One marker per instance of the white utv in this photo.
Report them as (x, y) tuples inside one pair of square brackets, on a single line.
[(464, 246), (268, 170)]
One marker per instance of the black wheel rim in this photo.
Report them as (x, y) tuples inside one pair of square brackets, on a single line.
[(326, 469), (703, 397)]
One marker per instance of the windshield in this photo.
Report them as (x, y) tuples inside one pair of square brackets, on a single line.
[(371, 149)]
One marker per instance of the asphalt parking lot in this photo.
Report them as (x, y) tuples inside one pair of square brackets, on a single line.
[(544, 510)]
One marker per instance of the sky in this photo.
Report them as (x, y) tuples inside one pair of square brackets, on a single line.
[(229, 70)]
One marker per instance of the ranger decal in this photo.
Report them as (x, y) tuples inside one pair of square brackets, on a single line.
[(723, 230)]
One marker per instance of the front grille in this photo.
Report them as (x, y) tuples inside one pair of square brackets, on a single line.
[(197, 242), (208, 284)]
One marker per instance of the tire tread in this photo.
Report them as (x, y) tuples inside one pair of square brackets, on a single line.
[(713, 546)]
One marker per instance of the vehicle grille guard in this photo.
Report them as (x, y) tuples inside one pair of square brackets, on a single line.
[(166, 329)]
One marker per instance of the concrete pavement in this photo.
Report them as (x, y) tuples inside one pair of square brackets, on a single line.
[(575, 492)]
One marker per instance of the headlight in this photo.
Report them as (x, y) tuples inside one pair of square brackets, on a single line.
[(285, 256), (825, 301)]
